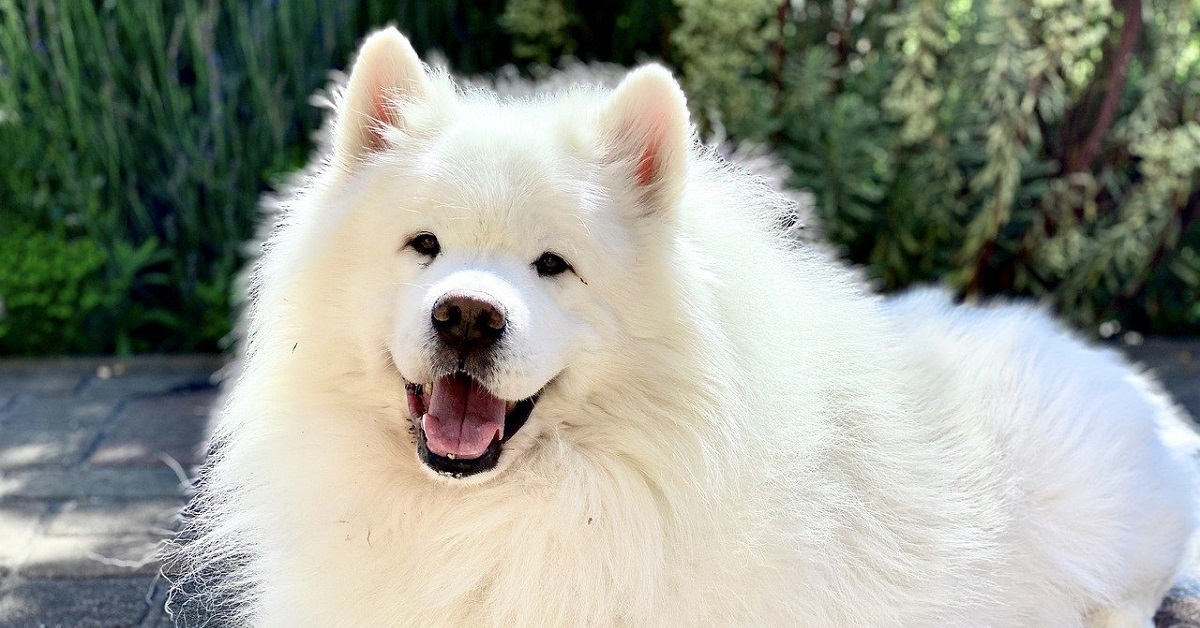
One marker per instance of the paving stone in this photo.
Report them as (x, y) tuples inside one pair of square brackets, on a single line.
[(18, 526), (1176, 364), (150, 375), (1190, 403), (100, 603), (147, 428), (91, 557), (157, 617), (25, 448), (1174, 361), (185, 615), (149, 384), (82, 483), (40, 383), (115, 518), (55, 414)]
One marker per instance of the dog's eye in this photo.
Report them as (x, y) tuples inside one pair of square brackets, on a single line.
[(426, 244), (550, 264)]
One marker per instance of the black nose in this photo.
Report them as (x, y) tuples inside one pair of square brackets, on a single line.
[(468, 321)]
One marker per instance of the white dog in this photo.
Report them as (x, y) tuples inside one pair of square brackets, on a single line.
[(548, 363)]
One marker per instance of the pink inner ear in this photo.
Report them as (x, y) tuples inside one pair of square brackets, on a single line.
[(647, 167), (382, 114)]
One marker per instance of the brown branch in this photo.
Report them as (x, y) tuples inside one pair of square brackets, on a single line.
[(975, 282), (1081, 160)]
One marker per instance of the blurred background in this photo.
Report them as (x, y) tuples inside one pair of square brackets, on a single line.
[(1048, 148)]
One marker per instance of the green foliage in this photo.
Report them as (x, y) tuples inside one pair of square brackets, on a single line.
[(722, 43), (1036, 147), (540, 28), (544, 31), (159, 123), (50, 290)]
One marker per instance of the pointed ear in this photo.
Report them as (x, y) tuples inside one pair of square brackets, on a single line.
[(387, 73), (646, 130)]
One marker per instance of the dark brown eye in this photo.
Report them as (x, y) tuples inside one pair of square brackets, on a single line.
[(550, 264), (426, 244)]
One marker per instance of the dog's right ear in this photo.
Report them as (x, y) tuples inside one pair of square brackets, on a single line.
[(387, 74), (646, 130)]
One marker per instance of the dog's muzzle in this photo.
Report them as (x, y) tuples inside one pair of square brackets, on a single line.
[(461, 426)]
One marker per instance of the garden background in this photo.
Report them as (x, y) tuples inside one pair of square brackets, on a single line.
[(1048, 148)]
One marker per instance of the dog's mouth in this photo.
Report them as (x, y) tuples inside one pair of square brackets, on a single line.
[(461, 426)]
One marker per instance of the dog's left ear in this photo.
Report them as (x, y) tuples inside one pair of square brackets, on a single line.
[(647, 134), (387, 74)]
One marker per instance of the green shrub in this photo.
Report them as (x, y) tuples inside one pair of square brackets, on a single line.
[(50, 291), (160, 122), (1034, 147), (622, 32)]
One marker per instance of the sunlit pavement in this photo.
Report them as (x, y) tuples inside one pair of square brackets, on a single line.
[(94, 460)]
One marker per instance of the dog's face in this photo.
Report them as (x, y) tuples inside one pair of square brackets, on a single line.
[(493, 302), (497, 243)]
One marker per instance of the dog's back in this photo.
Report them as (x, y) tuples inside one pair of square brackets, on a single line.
[(1108, 507)]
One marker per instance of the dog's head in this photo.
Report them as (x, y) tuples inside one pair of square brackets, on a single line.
[(494, 248)]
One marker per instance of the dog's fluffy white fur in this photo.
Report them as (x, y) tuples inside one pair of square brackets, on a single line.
[(732, 431)]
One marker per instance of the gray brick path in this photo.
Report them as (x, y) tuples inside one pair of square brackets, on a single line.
[(89, 452)]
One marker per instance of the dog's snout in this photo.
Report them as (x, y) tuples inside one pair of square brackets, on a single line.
[(468, 320)]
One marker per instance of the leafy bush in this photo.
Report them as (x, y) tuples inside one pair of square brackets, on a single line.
[(544, 31), (1032, 146), (1038, 147), (159, 123), (50, 289)]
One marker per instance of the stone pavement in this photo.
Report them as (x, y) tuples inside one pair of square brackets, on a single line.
[(94, 456)]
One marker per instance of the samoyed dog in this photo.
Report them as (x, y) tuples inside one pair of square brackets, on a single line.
[(548, 362)]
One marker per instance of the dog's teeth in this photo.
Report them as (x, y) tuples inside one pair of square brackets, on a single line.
[(450, 456)]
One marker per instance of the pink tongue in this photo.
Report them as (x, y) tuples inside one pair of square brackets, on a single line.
[(463, 417)]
